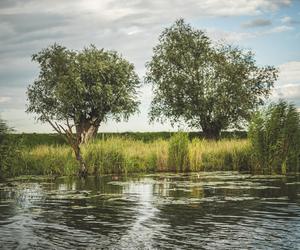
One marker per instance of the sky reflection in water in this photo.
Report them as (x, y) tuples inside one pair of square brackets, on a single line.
[(207, 210)]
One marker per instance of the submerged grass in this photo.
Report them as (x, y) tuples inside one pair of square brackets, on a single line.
[(121, 155)]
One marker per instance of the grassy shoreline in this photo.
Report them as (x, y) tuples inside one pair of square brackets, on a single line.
[(117, 155)]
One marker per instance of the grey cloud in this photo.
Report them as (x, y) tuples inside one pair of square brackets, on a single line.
[(10, 3), (131, 27), (12, 97), (30, 22), (260, 22)]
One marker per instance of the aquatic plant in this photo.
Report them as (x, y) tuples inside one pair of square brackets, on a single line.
[(222, 155), (178, 152), (119, 155), (9, 153), (275, 137)]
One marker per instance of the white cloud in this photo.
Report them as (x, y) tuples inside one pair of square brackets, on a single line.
[(4, 99), (289, 73), (286, 19), (288, 91), (234, 37), (110, 9), (229, 36), (279, 29), (288, 84), (130, 27)]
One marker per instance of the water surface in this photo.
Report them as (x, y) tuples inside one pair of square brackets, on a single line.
[(217, 210)]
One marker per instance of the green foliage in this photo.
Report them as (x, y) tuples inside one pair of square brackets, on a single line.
[(275, 136), (82, 89), (208, 86), (31, 140), (46, 160), (4, 147), (105, 158), (219, 155), (178, 152), (121, 156), (9, 153), (92, 84)]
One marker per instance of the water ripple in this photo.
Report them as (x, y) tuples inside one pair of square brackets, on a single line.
[(218, 210)]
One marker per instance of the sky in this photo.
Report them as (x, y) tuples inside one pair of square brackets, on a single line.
[(270, 28)]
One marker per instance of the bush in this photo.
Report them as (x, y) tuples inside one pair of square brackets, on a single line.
[(178, 152), (275, 137)]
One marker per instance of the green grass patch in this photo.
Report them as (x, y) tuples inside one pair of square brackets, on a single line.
[(118, 155)]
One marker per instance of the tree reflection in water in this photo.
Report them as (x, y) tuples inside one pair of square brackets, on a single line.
[(207, 210)]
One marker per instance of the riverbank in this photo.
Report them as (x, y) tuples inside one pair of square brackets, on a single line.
[(122, 156)]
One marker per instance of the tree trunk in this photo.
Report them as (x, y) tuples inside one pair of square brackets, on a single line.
[(89, 133), (211, 133), (76, 140), (83, 169), (87, 130)]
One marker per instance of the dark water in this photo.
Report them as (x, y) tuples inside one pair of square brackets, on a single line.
[(219, 210)]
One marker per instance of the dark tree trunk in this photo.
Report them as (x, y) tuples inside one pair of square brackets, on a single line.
[(86, 130), (211, 132)]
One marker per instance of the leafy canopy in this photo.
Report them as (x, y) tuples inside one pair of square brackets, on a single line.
[(88, 84), (209, 86)]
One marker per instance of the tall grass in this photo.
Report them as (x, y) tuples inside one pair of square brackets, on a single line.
[(120, 155), (275, 136), (220, 155), (47, 160), (9, 150), (178, 157)]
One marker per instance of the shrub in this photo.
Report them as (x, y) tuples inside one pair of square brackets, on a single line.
[(275, 137)]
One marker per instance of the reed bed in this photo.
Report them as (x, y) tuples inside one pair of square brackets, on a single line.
[(121, 155)]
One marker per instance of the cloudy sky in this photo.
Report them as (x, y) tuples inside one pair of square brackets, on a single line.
[(271, 28)]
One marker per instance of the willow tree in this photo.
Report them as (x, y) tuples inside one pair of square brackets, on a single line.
[(209, 86), (76, 91)]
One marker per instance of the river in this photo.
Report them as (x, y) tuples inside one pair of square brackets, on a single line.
[(215, 210)]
